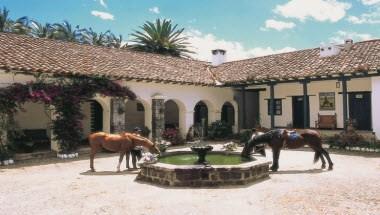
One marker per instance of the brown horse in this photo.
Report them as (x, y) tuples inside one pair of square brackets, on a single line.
[(279, 138), (122, 143)]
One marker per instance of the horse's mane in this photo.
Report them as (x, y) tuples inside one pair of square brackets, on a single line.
[(268, 136), (139, 138)]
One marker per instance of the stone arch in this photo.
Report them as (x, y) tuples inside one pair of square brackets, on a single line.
[(203, 110), (175, 114), (228, 113), (235, 117), (104, 103), (93, 120)]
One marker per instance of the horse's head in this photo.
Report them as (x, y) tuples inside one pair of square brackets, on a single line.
[(145, 142), (249, 146)]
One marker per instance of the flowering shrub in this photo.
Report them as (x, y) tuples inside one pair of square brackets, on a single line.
[(172, 135), (219, 130), (65, 94)]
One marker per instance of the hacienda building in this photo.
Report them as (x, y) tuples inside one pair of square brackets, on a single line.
[(312, 88)]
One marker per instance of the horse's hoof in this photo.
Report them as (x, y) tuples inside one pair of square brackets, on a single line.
[(323, 166), (274, 169), (330, 168)]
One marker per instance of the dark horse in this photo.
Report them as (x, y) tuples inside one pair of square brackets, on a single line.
[(279, 138)]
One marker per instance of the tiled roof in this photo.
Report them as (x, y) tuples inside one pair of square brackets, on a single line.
[(363, 56), (24, 53)]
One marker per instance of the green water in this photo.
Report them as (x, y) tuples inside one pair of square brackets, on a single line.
[(213, 159)]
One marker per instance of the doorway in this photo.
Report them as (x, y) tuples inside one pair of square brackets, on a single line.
[(298, 112), (360, 110)]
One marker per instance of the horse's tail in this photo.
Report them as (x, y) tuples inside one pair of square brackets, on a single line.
[(317, 155)]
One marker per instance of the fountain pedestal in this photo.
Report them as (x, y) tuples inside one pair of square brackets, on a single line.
[(202, 152)]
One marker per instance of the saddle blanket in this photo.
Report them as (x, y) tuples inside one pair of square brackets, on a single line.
[(293, 136)]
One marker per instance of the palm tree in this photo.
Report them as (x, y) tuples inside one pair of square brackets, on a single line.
[(161, 37), (4, 20), (93, 38), (116, 42), (39, 30), (20, 26), (65, 32)]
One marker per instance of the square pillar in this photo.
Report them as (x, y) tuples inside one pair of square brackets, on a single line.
[(305, 105), (117, 115), (158, 117), (271, 105), (344, 95)]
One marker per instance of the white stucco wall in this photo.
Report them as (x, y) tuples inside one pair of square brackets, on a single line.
[(286, 91), (376, 105), (186, 97)]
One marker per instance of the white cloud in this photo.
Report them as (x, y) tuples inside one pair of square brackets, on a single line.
[(278, 25), (340, 36), (155, 10), (370, 2), (202, 44), (102, 15), (372, 17), (103, 3), (320, 10)]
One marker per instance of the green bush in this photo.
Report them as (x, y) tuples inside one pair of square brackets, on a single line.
[(219, 130), (245, 136)]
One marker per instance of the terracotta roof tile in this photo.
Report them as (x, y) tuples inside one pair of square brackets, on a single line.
[(300, 64), (24, 53), (19, 52)]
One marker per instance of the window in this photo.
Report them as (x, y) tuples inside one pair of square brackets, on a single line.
[(277, 107)]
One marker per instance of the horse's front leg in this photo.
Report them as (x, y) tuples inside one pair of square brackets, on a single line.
[(276, 156), (120, 160)]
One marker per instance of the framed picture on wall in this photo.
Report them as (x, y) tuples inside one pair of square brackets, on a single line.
[(327, 101)]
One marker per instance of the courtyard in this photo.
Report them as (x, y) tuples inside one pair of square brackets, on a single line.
[(299, 187)]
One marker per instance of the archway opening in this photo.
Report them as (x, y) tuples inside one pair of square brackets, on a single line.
[(134, 115), (92, 122), (201, 116), (228, 114), (171, 114)]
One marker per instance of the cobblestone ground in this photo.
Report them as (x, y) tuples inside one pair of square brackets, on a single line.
[(300, 187)]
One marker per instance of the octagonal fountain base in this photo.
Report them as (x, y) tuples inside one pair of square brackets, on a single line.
[(204, 175)]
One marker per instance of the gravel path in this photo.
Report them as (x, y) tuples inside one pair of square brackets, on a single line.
[(300, 187)]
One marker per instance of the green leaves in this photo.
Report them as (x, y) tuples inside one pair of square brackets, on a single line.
[(162, 38), (66, 97)]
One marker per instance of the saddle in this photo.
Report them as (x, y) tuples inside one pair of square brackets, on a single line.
[(292, 136)]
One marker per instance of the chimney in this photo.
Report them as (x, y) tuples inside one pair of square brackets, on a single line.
[(348, 44), (328, 50), (218, 57)]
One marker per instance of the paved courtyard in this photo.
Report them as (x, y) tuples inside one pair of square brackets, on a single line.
[(300, 187)]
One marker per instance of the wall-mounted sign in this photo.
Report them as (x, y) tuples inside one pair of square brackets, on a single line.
[(327, 101)]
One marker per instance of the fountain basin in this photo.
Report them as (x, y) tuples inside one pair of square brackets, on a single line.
[(199, 175)]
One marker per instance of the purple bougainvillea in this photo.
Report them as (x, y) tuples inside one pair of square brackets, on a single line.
[(65, 96)]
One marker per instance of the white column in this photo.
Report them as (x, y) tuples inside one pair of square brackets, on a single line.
[(376, 105), (188, 121)]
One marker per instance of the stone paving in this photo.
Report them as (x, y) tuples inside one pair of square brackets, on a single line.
[(300, 187)]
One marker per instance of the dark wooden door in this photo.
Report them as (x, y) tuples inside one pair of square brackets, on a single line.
[(298, 112), (360, 110)]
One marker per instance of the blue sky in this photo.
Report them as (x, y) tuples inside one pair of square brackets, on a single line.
[(246, 28)]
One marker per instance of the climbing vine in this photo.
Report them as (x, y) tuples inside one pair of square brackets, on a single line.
[(65, 95)]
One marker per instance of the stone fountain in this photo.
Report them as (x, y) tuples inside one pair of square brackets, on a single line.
[(187, 169)]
